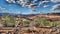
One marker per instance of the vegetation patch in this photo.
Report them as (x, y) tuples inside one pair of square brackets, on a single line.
[(43, 22)]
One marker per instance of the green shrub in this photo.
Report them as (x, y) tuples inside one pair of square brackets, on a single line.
[(43, 22), (8, 24), (10, 21), (25, 23)]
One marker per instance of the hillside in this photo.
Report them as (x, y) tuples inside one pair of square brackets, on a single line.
[(50, 15), (31, 23), (32, 16)]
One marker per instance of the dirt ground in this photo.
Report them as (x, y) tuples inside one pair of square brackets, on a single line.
[(34, 30)]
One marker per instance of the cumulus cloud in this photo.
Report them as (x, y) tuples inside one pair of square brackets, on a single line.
[(56, 7), (10, 1), (28, 3), (55, 1), (43, 2), (31, 4)]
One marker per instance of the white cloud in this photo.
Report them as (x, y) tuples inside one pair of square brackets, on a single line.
[(56, 7), (42, 2), (55, 1), (10, 1), (29, 3), (45, 6)]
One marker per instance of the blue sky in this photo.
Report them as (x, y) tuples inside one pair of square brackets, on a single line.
[(16, 8)]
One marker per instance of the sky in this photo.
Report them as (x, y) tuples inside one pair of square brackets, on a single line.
[(29, 6)]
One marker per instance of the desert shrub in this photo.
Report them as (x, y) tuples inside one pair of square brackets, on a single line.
[(43, 22), (25, 23), (9, 21), (57, 24), (9, 24)]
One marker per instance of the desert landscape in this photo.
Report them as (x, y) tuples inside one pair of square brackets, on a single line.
[(30, 24), (29, 16)]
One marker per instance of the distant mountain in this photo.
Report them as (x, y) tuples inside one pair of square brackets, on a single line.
[(1, 14), (32, 16), (8, 14), (54, 14), (13, 14)]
